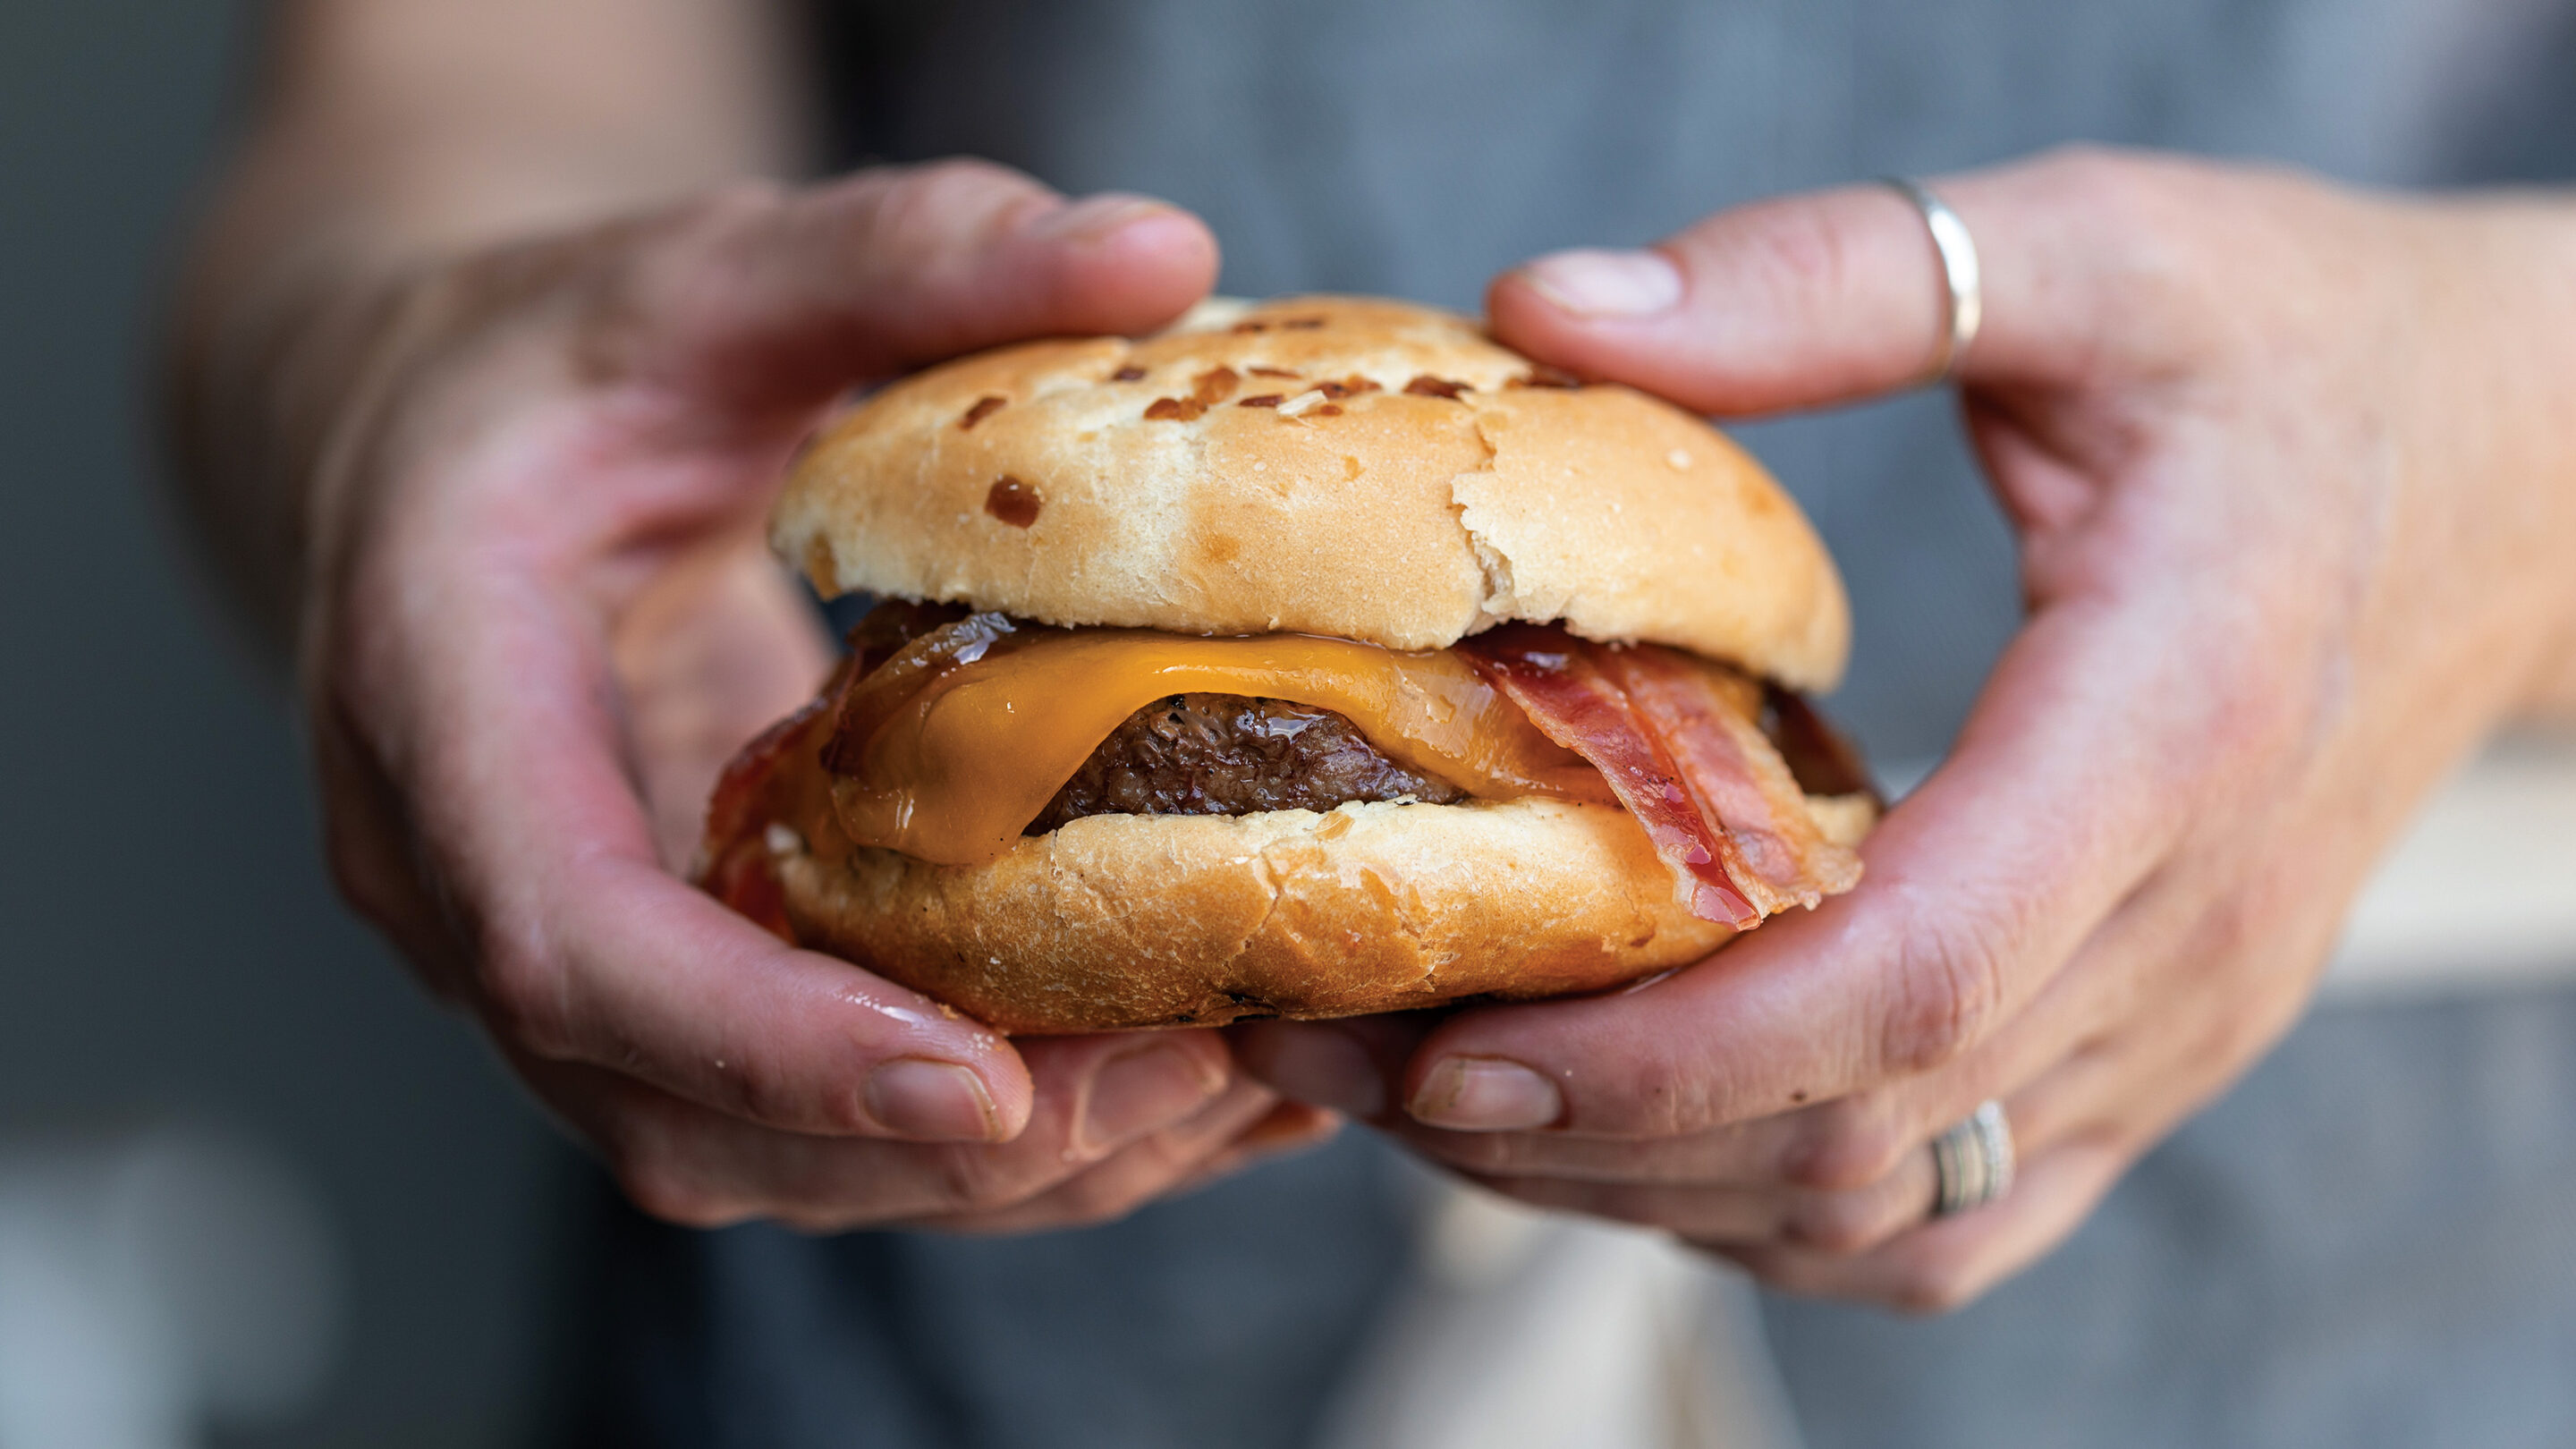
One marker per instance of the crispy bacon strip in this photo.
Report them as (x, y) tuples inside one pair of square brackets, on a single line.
[(734, 864), (735, 867), (1558, 681), (896, 658), (1706, 722), (1818, 757), (1679, 744)]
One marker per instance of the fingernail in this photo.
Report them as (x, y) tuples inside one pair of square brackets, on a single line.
[(1485, 1094), (1143, 1090), (1324, 1068), (1607, 284), (1290, 1124), (930, 1101), (1093, 219)]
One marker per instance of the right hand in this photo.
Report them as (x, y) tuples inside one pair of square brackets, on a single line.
[(538, 618)]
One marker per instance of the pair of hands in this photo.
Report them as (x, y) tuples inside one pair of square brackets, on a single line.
[(2282, 466)]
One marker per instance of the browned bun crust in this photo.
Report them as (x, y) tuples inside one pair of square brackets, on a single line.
[(1119, 921), (1409, 519), (1122, 921)]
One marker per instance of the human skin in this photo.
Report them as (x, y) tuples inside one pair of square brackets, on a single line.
[(485, 379), (2293, 474), (486, 375)]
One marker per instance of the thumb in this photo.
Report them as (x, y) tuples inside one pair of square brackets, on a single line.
[(1808, 301), (767, 299)]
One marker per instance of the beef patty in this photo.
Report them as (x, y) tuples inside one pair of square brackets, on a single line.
[(1228, 754)]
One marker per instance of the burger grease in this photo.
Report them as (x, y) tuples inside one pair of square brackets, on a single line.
[(1311, 659)]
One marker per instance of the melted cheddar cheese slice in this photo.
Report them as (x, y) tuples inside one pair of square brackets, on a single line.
[(955, 773)]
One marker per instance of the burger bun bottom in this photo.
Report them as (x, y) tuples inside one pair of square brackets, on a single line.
[(1125, 921)]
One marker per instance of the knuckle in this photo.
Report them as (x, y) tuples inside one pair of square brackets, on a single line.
[(522, 994), (2093, 172), (1496, 1153), (1844, 1224), (1805, 247), (719, 218), (662, 1187), (680, 278), (1851, 1147), (1829, 1224), (647, 1151), (760, 1095), (1091, 1204), (1661, 1089), (2141, 217), (2134, 196), (969, 1178), (741, 201), (1946, 993), (921, 200), (967, 177), (364, 877)]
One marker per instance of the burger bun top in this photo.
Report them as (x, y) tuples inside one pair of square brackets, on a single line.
[(1344, 466)]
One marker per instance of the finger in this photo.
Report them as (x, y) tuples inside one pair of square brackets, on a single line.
[(1170, 1161), (1766, 1152), (1945, 1263), (1980, 885), (1825, 298), (1288, 1129), (1840, 1222), (495, 717), (784, 299), (1350, 1066), (2199, 977), (686, 1163), (368, 844), (1850, 1143), (718, 646)]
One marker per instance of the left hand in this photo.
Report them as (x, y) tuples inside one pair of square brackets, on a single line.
[(540, 616), (2292, 475)]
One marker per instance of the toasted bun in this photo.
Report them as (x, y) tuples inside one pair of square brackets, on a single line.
[(1409, 519), (1121, 921)]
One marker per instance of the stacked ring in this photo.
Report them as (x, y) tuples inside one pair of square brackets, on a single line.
[(1972, 1163)]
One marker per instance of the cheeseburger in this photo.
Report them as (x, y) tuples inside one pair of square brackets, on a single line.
[(1313, 658)]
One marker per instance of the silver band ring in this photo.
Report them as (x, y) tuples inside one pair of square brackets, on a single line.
[(1972, 1163), (1963, 301)]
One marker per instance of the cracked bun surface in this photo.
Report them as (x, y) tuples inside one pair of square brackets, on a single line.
[(1342, 466), (1122, 921)]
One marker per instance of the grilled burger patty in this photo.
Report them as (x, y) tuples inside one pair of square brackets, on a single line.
[(1227, 754)]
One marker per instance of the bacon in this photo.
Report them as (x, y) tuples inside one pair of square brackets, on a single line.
[(1558, 681), (745, 878), (888, 682), (735, 866), (883, 630), (734, 862), (1678, 742), (1705, 721), (1818, 757)]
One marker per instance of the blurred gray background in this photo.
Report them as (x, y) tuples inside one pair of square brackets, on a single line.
[(169, 945)]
